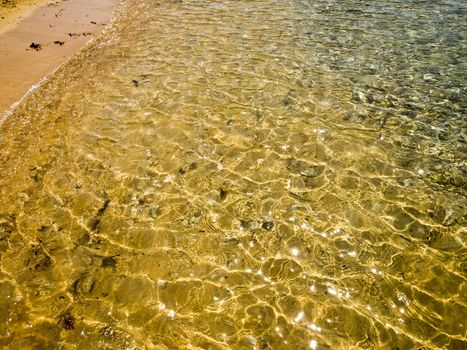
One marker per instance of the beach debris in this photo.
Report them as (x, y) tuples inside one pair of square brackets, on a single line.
[(79, 34), (58, 42), (135, 82), (35, 46), (92, 22)]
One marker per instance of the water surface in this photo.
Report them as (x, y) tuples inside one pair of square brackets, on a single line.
[(264, 174)]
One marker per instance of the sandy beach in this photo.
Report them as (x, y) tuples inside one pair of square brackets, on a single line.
[(36, 37), (234, 174)]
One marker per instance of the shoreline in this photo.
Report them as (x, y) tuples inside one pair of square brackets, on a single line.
[(12, 12), (39, 36)]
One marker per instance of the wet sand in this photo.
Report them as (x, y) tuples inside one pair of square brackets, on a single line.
[(13, 12), (36, 37)]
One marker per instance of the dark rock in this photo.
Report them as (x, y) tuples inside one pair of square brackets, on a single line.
[(94, 224), (267, 225), (109, 261), (287, 101), (67, 321), (104, 207), (187, 168), (222, 194)]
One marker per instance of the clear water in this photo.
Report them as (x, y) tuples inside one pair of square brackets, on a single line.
[(263, 174)]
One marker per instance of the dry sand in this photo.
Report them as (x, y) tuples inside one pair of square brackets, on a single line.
[(57, 28)]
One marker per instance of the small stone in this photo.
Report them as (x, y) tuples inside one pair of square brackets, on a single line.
[(359, 96), (267, 225), (287, 101), (429, 77), (312, 171), (67, 321), (84, 285), (155, 211), (222, 194), (187, 167), (109, 261), (458, 181), (448, 215), (246, 224)]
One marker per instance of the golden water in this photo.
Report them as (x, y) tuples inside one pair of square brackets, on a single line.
[(263, 174)]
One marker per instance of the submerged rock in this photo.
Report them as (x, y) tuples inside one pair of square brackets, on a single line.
[(222, 194), (303, 168), (67, 321), (84, 284), (154, 211), (449, 214), (267, 225)]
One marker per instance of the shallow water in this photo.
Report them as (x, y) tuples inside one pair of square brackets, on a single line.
[(243, 174)]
